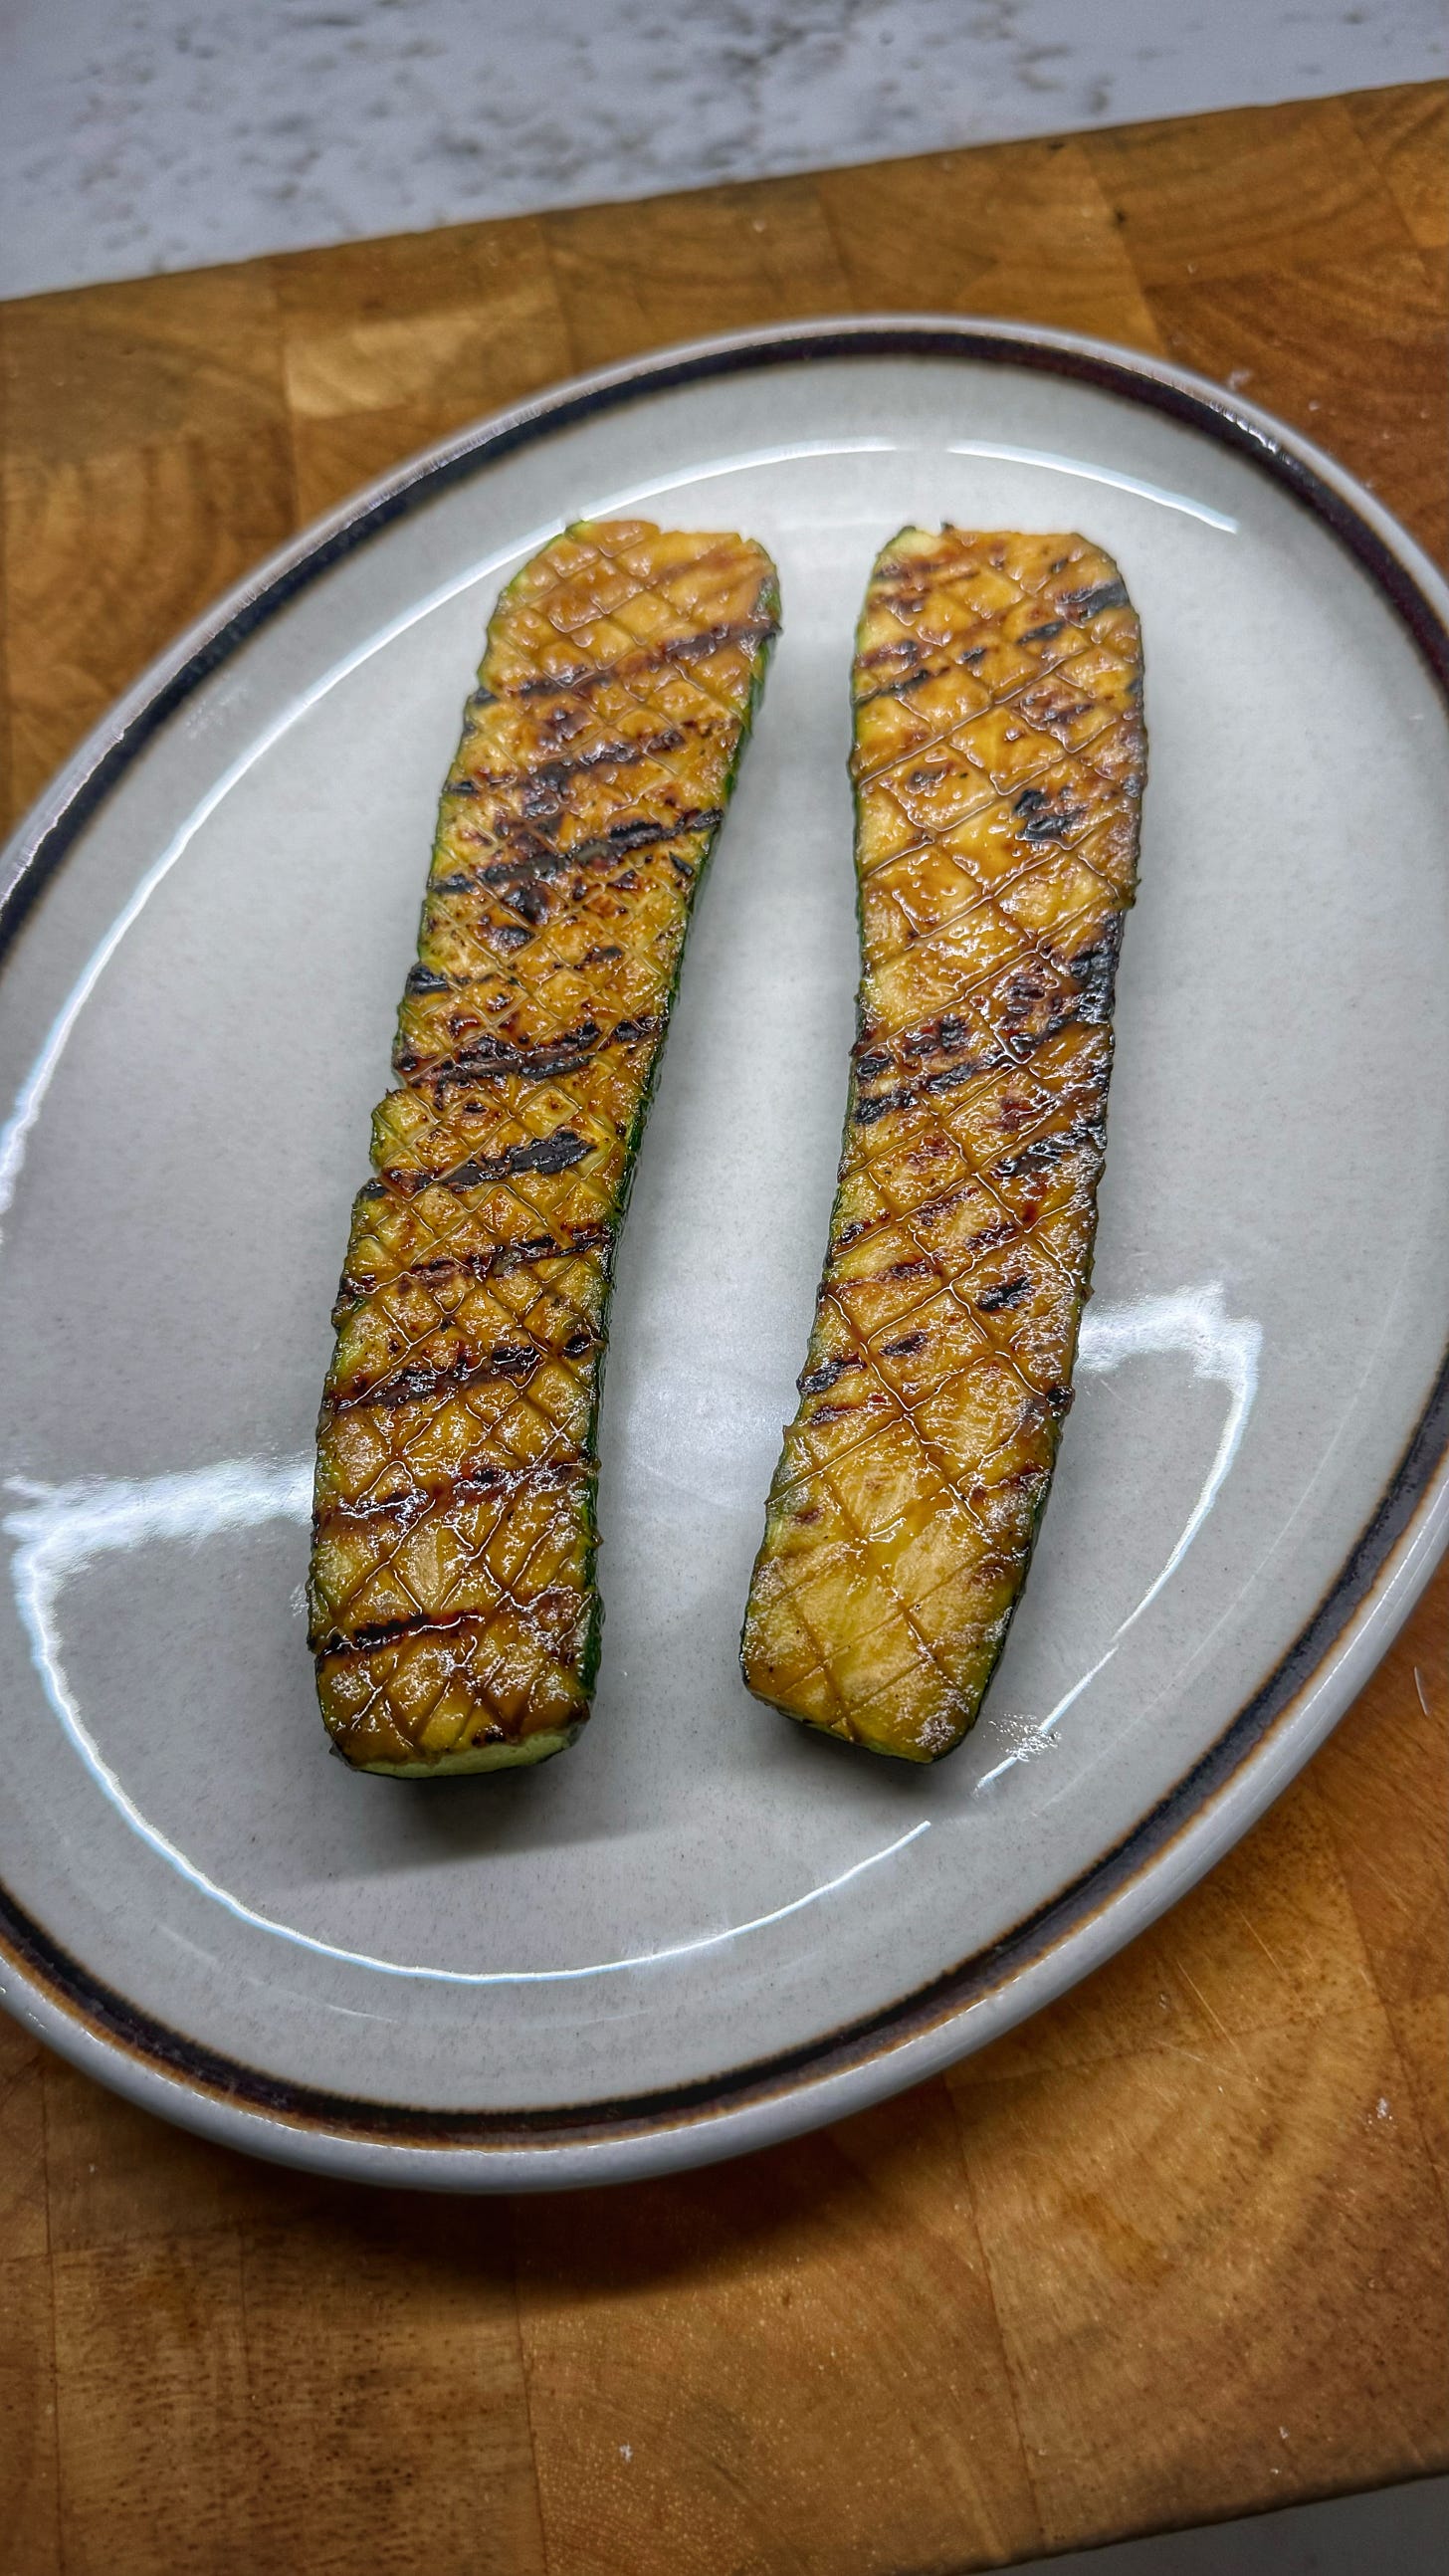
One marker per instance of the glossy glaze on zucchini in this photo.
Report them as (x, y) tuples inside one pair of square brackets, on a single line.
[(998, 764), (454, 1612)]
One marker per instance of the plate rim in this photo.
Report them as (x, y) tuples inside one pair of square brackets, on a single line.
[(1267, 1740)]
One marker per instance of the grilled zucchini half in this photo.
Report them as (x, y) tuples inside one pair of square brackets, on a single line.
[(998, 766), (454, 1612)]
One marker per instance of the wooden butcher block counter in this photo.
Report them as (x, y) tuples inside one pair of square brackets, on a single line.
[(1173, 2250)]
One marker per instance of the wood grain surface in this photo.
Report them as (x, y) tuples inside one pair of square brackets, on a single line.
[(1177, 2248)]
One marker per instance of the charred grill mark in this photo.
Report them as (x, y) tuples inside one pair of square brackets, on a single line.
[(526, 892), (418, 1381), (1094, 972), (557, 1605), (577, 1243), (869, 1403), (894, 688), (562, 1054), (1044, 821), (498, 1262), (1045, 1151), (943, 1036), (1066, 990), (906, 1095), (648, 836), (1091, 601), (585, 677), (537, 862), (499, 1057), (375, 1633), (1044, 633), (921, 1265), (926, 668), (553, 1153), (474, 1480), (818, 1381), (948, 1036), (905, 1346), (551, 774), (909, 650), (1009, 1292), (949, 1077), (900, 579), (1059, 993), (988, 1238), (399, 1512), (1051, 707)]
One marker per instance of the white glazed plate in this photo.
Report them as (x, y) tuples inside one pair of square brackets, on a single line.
[(702, 1929)]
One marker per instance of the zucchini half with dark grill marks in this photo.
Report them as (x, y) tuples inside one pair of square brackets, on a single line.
[(998, 765), (454, 1613)]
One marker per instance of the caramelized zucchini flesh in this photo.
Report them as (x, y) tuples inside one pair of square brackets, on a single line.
[(998, 764), (454, 1611)]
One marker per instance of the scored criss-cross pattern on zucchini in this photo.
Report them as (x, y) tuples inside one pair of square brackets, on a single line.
[(454, 1612), (998, 763)]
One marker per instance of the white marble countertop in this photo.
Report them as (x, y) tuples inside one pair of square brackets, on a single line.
[(138, 135)]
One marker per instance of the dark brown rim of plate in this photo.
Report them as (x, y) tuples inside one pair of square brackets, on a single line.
[(1274, 1731)]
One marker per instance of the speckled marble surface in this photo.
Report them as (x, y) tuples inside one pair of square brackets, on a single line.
[(140, 135)]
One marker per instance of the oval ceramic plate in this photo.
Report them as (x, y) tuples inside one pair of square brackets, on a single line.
[(703, 1929)]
